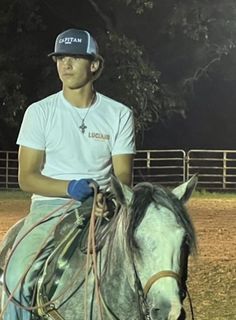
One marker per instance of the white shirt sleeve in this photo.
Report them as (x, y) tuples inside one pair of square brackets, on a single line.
[(32, 131), (125, 139)]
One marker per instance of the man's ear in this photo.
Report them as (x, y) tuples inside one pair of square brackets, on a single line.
[(95, 64)]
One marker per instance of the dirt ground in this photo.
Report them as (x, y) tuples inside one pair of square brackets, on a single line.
[(212, 273)]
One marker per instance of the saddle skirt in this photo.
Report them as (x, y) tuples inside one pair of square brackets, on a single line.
[(71, 235)]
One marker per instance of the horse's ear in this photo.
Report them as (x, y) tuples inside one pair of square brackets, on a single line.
[(185, 190), (122, 192)]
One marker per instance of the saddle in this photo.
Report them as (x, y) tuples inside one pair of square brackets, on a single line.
[(70, 235)]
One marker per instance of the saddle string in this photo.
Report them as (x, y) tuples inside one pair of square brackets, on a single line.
[(6, 289)]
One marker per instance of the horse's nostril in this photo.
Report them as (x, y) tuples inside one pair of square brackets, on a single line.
[(161, 311), (154, 312)]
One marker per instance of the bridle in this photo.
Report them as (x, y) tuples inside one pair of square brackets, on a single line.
[(143, 291), (157, 276)]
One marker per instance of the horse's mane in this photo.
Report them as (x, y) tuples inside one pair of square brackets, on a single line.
[(127, 220)]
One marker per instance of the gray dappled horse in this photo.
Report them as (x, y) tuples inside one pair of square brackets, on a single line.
[(141, 260)]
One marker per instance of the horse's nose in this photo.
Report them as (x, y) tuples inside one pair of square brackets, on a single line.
[(165, 311), (161, 312)]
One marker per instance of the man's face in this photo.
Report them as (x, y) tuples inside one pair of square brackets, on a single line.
[(74, 72)]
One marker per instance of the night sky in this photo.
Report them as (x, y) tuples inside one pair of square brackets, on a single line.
[(210, 123)]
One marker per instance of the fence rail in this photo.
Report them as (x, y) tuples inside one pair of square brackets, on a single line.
[(8, 170), (216, 168), (166, 167)]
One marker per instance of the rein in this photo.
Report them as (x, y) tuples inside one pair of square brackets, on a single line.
[(11, 294), (91, 253), (91, 264)]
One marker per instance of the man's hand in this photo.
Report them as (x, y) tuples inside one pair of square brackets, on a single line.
[(80, 189)]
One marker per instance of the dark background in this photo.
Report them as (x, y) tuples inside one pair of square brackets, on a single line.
[(177, 39), (210, 123)]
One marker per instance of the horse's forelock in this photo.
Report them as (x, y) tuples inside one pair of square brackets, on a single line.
[(143, 196), (125, 222)]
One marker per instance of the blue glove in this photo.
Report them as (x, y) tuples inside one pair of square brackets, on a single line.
[(80, 189)]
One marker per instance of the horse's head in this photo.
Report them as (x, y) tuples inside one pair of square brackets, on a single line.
[(159, 236)]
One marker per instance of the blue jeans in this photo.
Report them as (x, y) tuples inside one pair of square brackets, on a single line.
[(25, 253)]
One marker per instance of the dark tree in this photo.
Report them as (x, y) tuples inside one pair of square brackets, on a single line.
[(158, 54)]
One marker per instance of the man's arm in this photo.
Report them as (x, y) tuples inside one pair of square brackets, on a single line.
[(123, 168), (31, 179)]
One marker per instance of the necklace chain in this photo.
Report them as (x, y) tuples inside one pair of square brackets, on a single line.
[(83, 126)]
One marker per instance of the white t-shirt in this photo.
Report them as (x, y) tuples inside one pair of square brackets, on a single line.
[(52, 124)]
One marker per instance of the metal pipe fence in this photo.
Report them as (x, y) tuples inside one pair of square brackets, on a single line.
[(216, 168), (166, 167), (8, 170)]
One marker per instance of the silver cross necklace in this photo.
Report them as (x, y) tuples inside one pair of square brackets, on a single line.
[(83, 126)]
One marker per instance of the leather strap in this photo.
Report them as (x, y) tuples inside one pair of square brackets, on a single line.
[(157, 276)]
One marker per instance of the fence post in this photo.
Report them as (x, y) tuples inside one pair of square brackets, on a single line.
[(224, 169), (7, 169), (187, 165), (148, 159)]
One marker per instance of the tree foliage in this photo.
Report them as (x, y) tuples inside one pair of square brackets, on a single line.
[(139, 5), (19, 25), (209, 30), (156, 52), (132, 80)]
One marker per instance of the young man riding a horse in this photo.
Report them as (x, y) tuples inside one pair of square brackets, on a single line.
[(67, 141)]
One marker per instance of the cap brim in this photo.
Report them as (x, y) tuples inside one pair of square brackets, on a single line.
[(56, 54), (51, 54)]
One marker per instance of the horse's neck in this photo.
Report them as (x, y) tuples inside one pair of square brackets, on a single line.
[(118, 283)]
